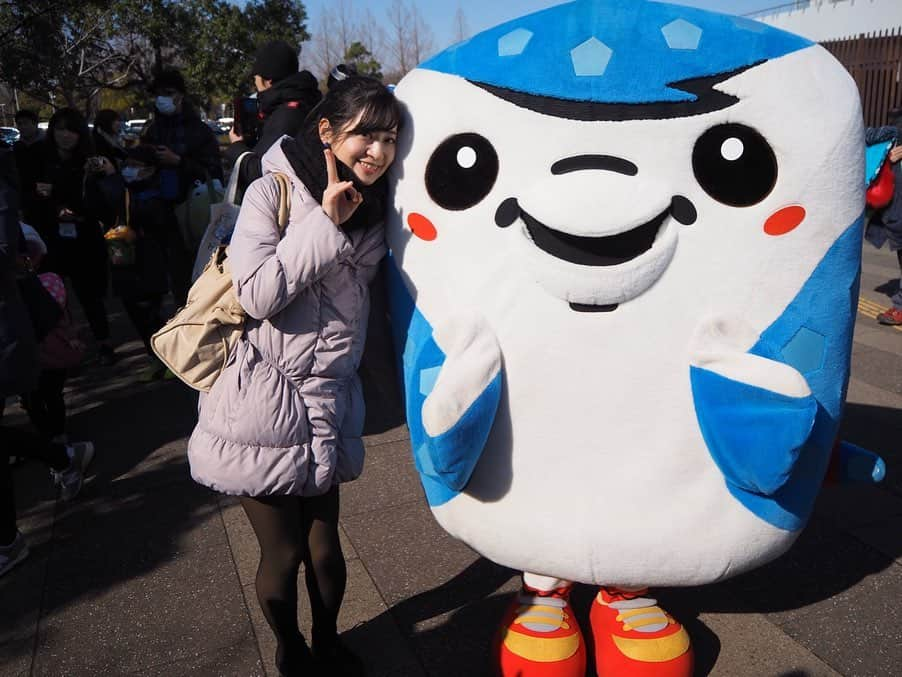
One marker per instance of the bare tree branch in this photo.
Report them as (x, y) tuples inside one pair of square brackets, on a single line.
[(461, 27)]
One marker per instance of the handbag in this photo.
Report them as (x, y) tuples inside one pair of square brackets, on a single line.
[(196, 343), (61, 348), (120, 239), (193, 214), (223, 216), (44, 311)]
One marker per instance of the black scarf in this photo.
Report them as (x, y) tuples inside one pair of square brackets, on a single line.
[(305, 154)]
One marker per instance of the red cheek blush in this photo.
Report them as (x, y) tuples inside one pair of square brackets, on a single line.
[(784, 220), (421, 227)]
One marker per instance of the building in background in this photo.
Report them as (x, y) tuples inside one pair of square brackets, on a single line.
[(826, 20)]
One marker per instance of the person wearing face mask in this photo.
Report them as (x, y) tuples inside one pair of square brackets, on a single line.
[(186, 151), (63, 200), (285, 96), (138, 242)]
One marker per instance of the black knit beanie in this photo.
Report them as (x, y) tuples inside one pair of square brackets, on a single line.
[(275, 61), (168, 78)]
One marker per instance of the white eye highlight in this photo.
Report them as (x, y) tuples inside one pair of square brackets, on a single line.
[(732, 149), (466, 157)]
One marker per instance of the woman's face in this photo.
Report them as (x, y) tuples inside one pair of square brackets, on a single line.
[(116, 127), (367, 155), (65, 139)]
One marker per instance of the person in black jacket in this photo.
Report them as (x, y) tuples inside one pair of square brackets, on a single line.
[(107, 136), (285, 97), (61, 202), (27, 148), (18, 374), (186, 151)]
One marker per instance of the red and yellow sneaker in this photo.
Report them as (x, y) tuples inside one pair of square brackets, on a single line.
[(540, 636), (636, 638)]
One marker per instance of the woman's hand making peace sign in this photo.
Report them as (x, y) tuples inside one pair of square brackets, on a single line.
[(340, 198)]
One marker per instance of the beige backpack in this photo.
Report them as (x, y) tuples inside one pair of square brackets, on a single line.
[(195, 343)]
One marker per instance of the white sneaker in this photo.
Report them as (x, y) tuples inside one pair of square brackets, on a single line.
[(71, 479), (12, 554)]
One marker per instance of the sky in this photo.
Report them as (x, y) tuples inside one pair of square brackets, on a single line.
[(483, 14)]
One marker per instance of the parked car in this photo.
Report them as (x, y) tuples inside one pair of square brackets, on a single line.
[(216, 127), (9, 135), (135, 126)]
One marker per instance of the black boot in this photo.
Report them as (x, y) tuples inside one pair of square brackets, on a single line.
[(295, 660), (334, 659)]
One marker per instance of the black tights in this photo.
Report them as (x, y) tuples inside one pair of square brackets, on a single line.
[(292, 530), (46, 406), (146, 316), (91, 297)]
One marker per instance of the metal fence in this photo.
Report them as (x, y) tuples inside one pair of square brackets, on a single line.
[(875, 61)]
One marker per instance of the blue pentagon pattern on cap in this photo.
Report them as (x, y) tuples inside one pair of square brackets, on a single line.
[(613, 51)]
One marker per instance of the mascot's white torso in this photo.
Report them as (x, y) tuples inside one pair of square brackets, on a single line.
[(625, 254)]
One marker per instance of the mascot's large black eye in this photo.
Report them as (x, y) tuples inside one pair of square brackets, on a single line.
[(735, 165), (461, 171)]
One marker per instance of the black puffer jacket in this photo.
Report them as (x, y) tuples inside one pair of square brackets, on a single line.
[(284, 107), (84, 256)]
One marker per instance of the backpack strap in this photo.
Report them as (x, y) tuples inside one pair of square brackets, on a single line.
[(284, 199)]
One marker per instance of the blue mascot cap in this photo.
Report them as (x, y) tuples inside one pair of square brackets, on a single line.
[(613, 52)]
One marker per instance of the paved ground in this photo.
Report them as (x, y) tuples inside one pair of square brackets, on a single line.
[(149, 574)]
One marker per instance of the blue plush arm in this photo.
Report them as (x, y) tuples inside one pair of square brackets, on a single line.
[(755, 435), (452, 386), (451, 456)]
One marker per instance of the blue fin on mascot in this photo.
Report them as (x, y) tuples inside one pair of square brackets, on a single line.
[(623, 277)]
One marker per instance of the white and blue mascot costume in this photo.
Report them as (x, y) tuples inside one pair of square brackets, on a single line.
[(624, 272)]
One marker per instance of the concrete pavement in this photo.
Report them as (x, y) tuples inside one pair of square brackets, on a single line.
[(147, 573)]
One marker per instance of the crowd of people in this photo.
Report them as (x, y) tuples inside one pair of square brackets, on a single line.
[(81, 210)]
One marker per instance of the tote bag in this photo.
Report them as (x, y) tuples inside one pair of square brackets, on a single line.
[(195, 344)]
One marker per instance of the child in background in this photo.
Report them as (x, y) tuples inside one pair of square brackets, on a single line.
[(58, 352)]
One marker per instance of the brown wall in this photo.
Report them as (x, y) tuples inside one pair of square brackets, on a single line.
[(875, 61)]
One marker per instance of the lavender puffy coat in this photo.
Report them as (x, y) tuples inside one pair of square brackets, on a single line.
[(286, 415)]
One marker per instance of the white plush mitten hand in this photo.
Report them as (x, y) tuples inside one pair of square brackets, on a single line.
[(473, 360), (721, 345)]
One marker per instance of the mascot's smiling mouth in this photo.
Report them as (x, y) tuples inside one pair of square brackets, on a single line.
[(610, 250), (603, 251)]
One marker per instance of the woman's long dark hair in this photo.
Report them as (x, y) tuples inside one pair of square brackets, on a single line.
[(72, 120), (347, 98), (378, 110)]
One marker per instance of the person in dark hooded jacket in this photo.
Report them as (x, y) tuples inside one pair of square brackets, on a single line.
[(285, 97), (885, 225), (186, 151), (19, 374)]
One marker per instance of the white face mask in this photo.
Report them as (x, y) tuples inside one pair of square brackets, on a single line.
[(166, 105), (130, 174)]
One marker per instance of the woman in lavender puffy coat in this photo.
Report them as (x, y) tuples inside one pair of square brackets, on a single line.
[(281, 426)]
